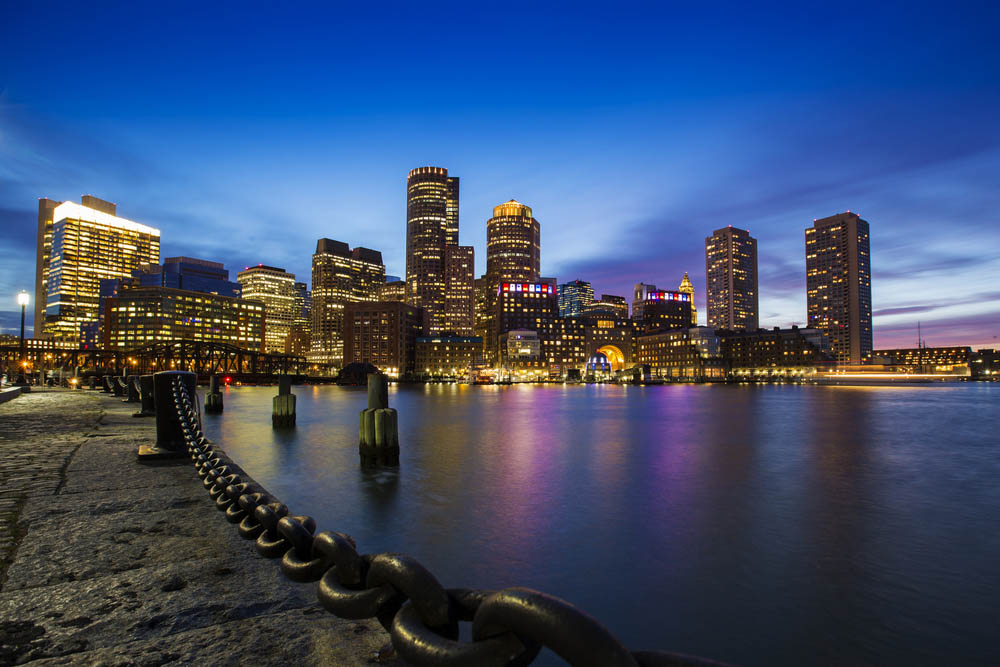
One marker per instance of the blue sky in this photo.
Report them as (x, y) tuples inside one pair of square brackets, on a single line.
[(245, 133)]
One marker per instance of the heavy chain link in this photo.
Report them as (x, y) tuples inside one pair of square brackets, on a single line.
[(509, 626)]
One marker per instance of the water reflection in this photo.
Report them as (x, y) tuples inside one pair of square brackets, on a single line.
[(756, 524)]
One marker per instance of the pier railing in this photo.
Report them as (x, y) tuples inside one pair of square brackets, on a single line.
[(509, 626)]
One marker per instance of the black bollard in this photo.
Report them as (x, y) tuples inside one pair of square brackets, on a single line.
[(377, 425), (170, 442), (213, 401), (147, 406), (118, 386), (93, 382), (283, 405), (106, 384), (132, 389)]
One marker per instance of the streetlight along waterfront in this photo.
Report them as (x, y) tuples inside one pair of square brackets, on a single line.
[(22, 300)]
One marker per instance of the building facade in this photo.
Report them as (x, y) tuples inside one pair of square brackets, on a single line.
[(731, 280), (839, 285), (392, 290), (447, 356), (87, 246), (513, 244), (340, 276), (662, 311), (954, 359), (520, 306), (188, 273), (687, 287), (574, 298), (384, 334), (276, 289), (460, 291), (137, 316), (610, 304), (774, 352), (689, 353)]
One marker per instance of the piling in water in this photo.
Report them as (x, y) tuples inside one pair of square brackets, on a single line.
[(213, 400), (283, 405), (377, 425)]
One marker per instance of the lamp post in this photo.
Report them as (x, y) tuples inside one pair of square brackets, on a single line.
[(22, 300)]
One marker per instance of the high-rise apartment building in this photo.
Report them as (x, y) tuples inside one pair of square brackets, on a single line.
[(574, 297), (340, 276), (731, 279), (513, 244), (88, 243), (276, 289), (432, 215), (839, 285)]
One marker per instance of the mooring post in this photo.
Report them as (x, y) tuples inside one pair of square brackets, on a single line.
[(147, 406), (132, 384), (283, 405), (106, 384), (170, 441), (378, 435), (93, 382), (213, 401)]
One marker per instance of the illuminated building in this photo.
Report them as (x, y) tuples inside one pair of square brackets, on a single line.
[(276, 289), (689, 353), (523, 306), (139, 316), (617, 306), (839, 285), (662, 310), (925, 359), (640, 293), (460, 297), (687, 287), (393, 290), (384, 334), (88, 245), (340, 276), (513, 244), (188, 273), (985, 364), (774, 352), (522, 347), (447, 356), (574, 297), (435, 276), (43, 251), (731, 279), (564, 345)]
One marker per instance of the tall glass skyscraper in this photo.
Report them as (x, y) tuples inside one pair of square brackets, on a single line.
[(276, 289), (731, 280), (839, 285), (513, 244), (574, 297)]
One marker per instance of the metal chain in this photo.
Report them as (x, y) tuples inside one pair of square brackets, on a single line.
[(509, 626)]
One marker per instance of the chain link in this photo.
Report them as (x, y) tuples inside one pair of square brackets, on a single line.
[(509, 626)]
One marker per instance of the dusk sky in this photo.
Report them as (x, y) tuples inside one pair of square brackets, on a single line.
[(245, 132)]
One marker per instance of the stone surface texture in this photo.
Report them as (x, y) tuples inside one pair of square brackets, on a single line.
[(106, 561)]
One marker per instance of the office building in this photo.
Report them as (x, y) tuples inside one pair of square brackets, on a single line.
[(276, 289), (340, 276), (433, 257), (188, 273), (521, 306), (392, 290), (839, 285), (384, 334), (608, 304), (447, 356), (513, 244), (137, 316), (687, 287), (661, 310), (731, 279), (574, 297), (776, 352), (88, 244), (689, 353), (459, 295)]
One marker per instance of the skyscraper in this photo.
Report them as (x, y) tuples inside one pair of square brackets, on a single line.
[(432, 215), (731, 279), (87, 245), (43, 251), (340, 276), (574, 297), (839, 285), (460, 297), (687, 287), (513, 244), (276, 289)]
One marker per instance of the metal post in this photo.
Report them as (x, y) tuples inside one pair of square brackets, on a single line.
[(148, 406), (170, 441)]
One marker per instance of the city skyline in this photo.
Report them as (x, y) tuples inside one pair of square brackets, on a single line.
[(908, 145)]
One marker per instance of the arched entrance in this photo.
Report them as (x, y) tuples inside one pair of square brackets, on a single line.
[(614, 355)]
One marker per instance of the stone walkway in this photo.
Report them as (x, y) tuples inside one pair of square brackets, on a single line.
[(110, 562)]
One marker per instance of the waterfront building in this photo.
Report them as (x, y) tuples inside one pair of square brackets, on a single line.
[(688, 353), (564, 345), (513, 244), (392, 290), (662, 310), (88, 243), (447, 356), (136, 316), (985, 364), (435, 277), (731, 279), (608, 304), (956, 359), (384, 334), (521, 349), (340, 276), (275, 288), (522, 306), (839, 285), (640, 294), (774, 352), (574, 297), (460, 294), (687, 287)]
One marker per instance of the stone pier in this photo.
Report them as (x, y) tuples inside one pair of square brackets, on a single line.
[(104, 560)]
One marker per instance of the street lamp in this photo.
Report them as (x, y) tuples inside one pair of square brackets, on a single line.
[(22, 300)]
